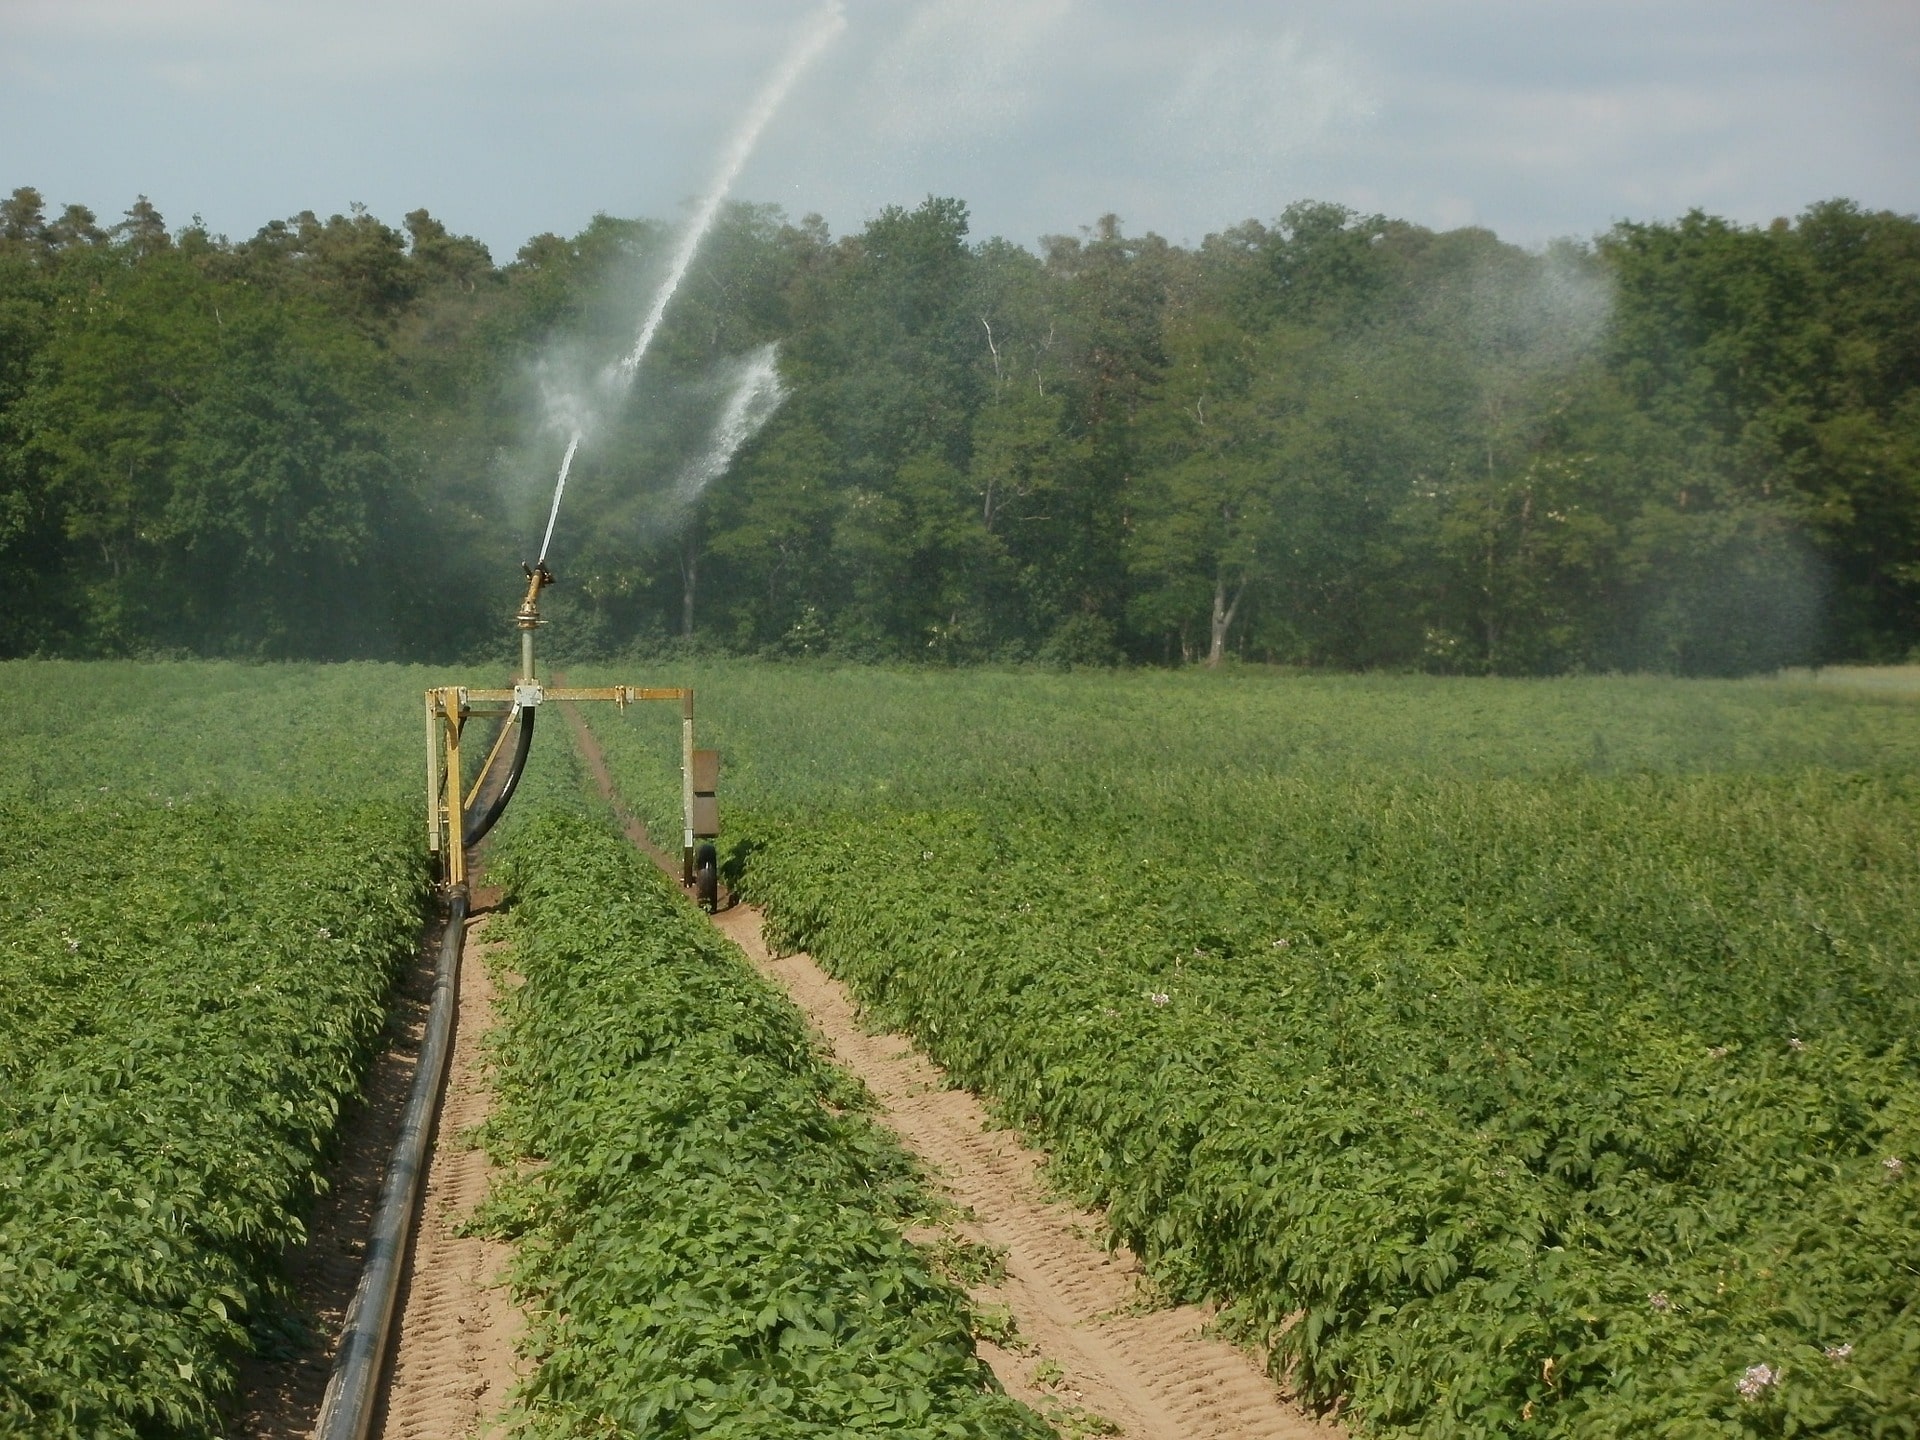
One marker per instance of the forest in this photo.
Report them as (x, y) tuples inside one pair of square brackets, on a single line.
[(1331, 440)]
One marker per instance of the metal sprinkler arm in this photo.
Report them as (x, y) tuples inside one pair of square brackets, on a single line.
[(527, 618), (453, 820)]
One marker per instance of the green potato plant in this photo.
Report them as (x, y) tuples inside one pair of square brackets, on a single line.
[(187, 997), (1503, 1059), (708, 1224)]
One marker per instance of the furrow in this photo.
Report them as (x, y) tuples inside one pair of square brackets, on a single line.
[(1156, 1375)]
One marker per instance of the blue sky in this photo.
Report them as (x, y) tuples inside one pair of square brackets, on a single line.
[(508, 117)]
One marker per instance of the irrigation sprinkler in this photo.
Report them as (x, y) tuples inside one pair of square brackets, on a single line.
[(458, 817)]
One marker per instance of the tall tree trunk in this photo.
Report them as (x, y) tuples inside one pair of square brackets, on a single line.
[(689, 573), (1223, 614)]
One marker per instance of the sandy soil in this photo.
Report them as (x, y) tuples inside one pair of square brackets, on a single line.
[(1077, 1308), (453, 1361), (1086, 1347)]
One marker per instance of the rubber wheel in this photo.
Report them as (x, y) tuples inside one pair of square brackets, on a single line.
[(706, 879)]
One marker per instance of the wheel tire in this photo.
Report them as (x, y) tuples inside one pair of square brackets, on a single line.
[(706, 879)]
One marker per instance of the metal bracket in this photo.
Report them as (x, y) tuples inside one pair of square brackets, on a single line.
[(527, 695)]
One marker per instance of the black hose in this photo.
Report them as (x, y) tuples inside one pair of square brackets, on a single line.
[(347, 1411), (479, 825)]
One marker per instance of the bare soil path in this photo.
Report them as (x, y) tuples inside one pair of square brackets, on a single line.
[(453, 1361), (1087, 1346)]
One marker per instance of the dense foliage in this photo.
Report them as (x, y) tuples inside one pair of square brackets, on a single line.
[(209, 876), (187, 995), (71, 730), (1549, 1072), (710, 1240), (1336, 439)]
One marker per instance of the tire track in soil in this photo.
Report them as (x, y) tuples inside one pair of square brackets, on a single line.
[(1152, 1372), (452, 1362)]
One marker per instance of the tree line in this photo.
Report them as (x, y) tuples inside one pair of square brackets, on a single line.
[(1334, 439)]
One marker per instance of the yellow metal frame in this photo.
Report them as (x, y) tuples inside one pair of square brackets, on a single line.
[(449, 707)]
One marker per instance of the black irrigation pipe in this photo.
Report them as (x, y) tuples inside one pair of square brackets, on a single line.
[(479, 825), (352, 1390)]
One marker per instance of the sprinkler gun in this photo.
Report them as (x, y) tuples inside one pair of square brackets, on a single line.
[(527, 617), (458, 818)]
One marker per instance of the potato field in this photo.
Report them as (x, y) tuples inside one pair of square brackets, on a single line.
[(1500, 1058), (1510, 1058), (208, 877)]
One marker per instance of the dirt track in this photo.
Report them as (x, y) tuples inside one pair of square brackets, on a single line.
[(452, 1365), (1086, 1344), (1149, 1371)]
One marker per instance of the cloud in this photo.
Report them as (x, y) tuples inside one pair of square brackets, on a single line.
[(1081, 106), (363, 43), (509, 118), (1249, 99)]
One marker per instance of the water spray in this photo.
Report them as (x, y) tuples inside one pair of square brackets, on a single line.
[(828, 22), (559, 489), (756, 395), (617, 379), (457, 817)]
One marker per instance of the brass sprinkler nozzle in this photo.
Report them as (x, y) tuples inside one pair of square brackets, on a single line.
[(538, 578)]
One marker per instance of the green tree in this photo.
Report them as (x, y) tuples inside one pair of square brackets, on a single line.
[(279, 495)]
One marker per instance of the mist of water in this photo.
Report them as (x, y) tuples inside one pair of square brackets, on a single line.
[(828, 22), (757, 393), (568, 410)]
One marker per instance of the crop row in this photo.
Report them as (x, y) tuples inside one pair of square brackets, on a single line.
[(1492, 1107), (1531, 1056), (188, 993), (709, 1233), (159, 731), (805, 736)]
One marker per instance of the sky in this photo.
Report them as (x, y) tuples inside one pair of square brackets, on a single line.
[(509, 118)]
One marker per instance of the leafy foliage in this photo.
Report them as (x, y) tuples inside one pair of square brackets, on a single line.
[(1332, 439), (188, 992), (1503, 1085), (709, 1237), (211, 874), (71, 730)]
